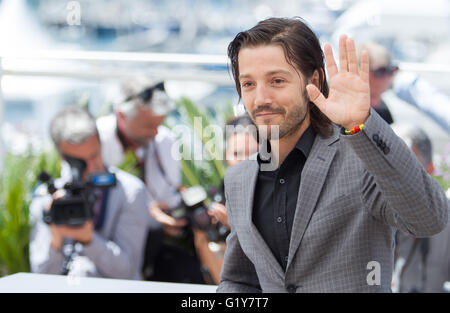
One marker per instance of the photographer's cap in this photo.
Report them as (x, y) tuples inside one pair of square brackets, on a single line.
[(145, 92)]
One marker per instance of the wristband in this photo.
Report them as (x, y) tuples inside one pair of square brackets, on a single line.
[(354, 130)]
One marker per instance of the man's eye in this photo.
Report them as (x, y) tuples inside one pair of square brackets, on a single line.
[(246, 84), (278, 81)]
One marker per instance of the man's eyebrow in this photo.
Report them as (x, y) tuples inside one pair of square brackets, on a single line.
[(278, 71), (244, 76), (270, 73)]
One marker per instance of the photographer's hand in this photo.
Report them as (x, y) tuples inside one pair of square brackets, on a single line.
[(82, 234), (172, 227), (219, 211)]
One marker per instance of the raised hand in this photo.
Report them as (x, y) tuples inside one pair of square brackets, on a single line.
[(348, 101)]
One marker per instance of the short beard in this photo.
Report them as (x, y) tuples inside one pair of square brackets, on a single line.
[(292, 122)]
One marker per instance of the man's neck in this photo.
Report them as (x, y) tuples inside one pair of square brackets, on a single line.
[(286, 144)]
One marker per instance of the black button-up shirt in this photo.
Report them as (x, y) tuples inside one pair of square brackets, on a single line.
[(275, 198)]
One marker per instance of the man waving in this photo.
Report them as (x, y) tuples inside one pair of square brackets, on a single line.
[(316, 209)]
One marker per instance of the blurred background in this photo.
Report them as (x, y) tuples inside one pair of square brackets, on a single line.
[(56, 53), (48, 51)]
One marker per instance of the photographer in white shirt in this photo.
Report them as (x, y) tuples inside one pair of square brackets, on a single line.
[(135, 127)]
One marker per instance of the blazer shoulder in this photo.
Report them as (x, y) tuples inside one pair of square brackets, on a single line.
[(129, 185), (234, 173)]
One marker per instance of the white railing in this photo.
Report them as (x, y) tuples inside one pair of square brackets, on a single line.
[(110, 56), (189, 65), (189, 68)]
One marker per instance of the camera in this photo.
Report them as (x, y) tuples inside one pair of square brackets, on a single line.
[(194, 207), (76, 206)]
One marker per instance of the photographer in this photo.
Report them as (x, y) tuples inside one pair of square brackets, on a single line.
[(421, 264), (241, 141), (109, 242), (134, 130)]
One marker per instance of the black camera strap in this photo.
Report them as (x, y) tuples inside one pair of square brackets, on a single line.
[(99, 216), (141, 162), (156, 154), (126, 147)]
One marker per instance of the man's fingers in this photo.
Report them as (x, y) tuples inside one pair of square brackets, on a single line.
[(329, 59), (173, 231), (168, 220), (316, 96), (351, 56), (365, 66), (343, 63), (181, 222)]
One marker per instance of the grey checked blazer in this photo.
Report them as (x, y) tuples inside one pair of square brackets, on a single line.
[(354, 192)]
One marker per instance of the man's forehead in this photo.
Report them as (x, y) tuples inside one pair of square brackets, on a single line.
[(267, 60), (88, 147)]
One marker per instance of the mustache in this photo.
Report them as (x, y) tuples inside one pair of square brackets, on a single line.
[(268, 109)]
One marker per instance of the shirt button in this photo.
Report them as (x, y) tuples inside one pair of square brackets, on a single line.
[(279, 219), (282, 181)]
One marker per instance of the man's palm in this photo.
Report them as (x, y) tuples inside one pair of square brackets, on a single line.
[(348, 101)]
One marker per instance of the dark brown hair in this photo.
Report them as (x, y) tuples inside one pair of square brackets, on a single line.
[(302, 50)]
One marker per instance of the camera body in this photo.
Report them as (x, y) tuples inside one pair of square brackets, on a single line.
[(194, 208), (76, 206), (74, 209)]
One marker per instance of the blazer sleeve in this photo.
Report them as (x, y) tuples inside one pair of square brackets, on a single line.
[(121, 255), (238, 272), (395, 187)]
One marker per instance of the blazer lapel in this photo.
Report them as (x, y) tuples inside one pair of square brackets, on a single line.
[(311, 183), (248, 190)]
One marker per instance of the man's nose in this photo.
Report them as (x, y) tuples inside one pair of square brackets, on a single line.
[(154, 132), (91, 167), (149, 132), (262, 95)]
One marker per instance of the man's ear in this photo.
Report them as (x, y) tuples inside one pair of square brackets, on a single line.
[(430, 168), (120, 115), (315, 78)]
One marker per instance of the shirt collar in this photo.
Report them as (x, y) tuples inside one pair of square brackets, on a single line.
[(306, 141), (304, 145)]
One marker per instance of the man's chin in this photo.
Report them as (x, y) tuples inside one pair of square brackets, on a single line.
[(269, 131), (143, 141)]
